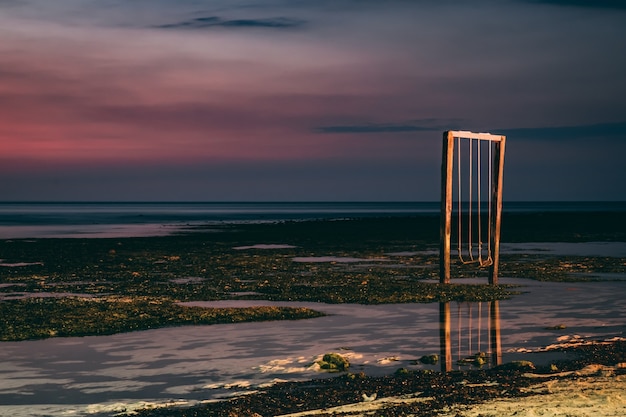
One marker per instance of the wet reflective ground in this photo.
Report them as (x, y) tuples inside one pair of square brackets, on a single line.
[(340, 261), (79, 376)]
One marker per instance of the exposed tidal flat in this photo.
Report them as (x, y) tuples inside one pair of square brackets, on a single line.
[(55, 288)]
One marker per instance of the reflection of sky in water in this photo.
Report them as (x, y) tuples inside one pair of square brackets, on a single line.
[(196, 362), (611, 249), (617, 249), (337, 259), (20, 295), (88, 231)]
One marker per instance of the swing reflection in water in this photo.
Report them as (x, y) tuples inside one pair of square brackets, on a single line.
[(476, 344)]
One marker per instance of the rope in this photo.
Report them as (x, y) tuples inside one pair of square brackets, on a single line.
[(489, 260), (470, 258), (469, 332), (479, 183), (459, 199), (469, 204), (489, 348), (480, 320), (458, 321)]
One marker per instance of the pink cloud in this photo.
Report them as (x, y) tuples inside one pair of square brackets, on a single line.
[(71, 100)]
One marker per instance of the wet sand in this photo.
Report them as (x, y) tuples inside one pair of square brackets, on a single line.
[(597, 391)]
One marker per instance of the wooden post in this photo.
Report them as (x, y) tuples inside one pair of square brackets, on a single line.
[(446, 207), (496, 346), (444, 337), (496, 208)]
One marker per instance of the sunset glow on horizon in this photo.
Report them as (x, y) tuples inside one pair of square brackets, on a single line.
[(338, 100)]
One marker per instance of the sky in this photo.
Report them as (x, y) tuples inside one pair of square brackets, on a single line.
[(306, 100)]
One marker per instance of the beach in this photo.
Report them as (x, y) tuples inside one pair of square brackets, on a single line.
[(586, 395), (367, 280)]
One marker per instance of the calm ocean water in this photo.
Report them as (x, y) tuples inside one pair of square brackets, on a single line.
[(31, 220)]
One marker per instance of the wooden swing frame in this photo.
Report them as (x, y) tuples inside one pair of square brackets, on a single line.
[(495, 202)]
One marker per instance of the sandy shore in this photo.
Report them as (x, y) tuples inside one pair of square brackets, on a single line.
[(594, 391)]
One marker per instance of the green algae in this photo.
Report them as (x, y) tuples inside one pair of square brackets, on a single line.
[(154, 274), (38, 318), (334, 362)]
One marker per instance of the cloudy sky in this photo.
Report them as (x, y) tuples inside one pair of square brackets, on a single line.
[(297, 100)]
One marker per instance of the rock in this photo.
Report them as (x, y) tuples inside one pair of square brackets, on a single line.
[(334, 362), (368, 398), (520, 365), (430, 359)]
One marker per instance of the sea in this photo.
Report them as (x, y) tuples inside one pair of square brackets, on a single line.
[(141, 219)]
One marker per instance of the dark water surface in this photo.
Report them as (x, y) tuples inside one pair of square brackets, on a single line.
[(36, 220)]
